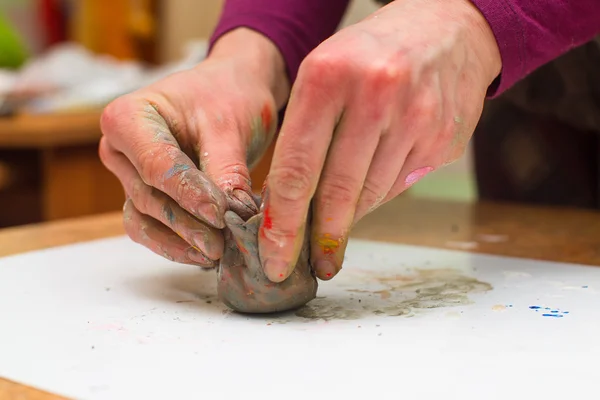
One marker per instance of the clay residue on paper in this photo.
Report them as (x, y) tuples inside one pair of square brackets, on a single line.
[(395, 295)]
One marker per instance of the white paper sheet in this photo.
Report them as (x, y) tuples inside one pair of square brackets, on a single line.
[(110, 320)]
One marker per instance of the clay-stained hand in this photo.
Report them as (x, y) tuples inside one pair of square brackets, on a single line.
[(182, 146), (374, 109), (242, 283)]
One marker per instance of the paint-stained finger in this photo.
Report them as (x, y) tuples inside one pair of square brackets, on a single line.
[(298, 158), (159, 206), (340, 186), (229, 147), (137, 128), (161, 240)]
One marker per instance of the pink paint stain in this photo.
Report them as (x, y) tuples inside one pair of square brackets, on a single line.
[(417, 175)]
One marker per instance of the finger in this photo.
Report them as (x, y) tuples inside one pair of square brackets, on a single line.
[(137, 129), (234, 147), (151, 202), (341, 183), (295, 169), (161, 240), (387, 163), (418, 165), (223, 157), (427, 119)]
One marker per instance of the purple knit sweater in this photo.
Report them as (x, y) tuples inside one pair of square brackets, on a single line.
[(529, 33)]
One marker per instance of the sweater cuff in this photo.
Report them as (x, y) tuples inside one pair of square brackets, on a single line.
[(510, 38), (274, 31)]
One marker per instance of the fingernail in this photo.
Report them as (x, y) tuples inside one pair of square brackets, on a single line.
[(210, 213), (325, 270), (199, 258), (276, 270), (417, 175), (246, 200)]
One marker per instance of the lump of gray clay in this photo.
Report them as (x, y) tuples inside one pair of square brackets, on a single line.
[(242, 284)]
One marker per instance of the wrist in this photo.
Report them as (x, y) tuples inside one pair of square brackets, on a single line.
[(482, 41), (259, 56)]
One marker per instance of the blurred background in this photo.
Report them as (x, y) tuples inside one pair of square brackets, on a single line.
[(62, 61)]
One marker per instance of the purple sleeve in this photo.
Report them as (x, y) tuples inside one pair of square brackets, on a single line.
[(295, 26), (531, 33)]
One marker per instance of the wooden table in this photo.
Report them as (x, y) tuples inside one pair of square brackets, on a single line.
[(551, 234), (50, 169), (56, 171)]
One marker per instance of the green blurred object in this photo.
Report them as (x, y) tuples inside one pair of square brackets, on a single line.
[(13, 52)]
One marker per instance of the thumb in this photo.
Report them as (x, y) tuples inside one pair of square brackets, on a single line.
[(225, 158)]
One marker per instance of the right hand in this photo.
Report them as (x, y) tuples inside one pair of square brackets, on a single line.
[(183, 146)]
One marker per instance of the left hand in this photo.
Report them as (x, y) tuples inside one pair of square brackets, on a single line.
[(374, 109)]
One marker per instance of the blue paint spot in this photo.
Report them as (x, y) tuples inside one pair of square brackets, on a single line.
[(547, 308), (585, 287), (177, 168), (554, 311), (552, 315), (565, 312), (510, 305), (535, 307)]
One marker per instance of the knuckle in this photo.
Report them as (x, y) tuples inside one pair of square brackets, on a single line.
[(140, 195), (148, 164), (291, 182), (110, 119), (337, 190), (183, 188), (372, 191), (385, 73), (322, 67)]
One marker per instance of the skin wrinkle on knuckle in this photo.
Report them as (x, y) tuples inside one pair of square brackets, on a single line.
[(337, 191), (183, 189), (372, 193), (140, 195), (291, 183), (319, 73)]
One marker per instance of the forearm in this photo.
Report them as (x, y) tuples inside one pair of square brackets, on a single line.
[(531, 33), (295, 27)]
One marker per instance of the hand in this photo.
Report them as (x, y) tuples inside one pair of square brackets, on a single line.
[(374, 109), (183, 146)]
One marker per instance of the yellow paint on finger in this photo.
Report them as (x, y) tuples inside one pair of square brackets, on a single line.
[(327, 244)]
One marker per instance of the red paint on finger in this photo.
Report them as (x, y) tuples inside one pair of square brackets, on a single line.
[(267, 117), (267, 223)]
